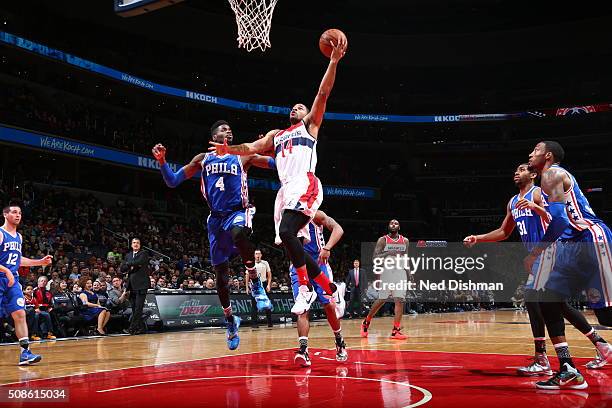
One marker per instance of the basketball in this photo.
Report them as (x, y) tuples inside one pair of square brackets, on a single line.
[(332, 35)]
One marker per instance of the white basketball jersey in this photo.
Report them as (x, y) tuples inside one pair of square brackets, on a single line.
[(296, 152), (395, 245)]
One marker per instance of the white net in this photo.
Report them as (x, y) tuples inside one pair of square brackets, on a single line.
[(254, 20)]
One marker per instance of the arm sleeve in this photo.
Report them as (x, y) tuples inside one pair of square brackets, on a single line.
[(558, 223), (171, 178), (272, 163)]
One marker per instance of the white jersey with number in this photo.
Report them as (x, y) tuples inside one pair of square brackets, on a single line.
[(296, 159), (393, 275), (398, 244), (295, 152)]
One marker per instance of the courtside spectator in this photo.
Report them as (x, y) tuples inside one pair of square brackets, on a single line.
[(119, 301), (31, 318), (65, 306), (92, 309), (100, 291), (44, 300)]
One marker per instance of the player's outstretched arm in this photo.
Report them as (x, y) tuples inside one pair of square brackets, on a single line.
[(260, 146), (44, 261), (257, 160), (500, 234), (171, 178), (315, 117), (336, 230)]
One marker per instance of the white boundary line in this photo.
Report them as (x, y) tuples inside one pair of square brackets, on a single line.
[(427, 396)]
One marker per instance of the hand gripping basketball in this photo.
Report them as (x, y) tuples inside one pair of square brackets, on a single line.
[(338, 50)]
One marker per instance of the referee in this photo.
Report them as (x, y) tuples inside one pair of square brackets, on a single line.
[(264, 273)]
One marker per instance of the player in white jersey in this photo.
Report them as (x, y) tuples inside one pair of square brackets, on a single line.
[(300, 194), (390, 245)]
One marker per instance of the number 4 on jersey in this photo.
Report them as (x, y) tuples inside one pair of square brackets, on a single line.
[(219, 184)]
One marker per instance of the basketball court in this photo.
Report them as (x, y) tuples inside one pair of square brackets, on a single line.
[(452, 359), (458, 359)]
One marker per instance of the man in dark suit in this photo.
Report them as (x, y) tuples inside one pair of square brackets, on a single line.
[(136, 265), (356, 284)]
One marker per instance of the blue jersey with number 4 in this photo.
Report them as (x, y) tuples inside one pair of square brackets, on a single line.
[(10, 255), (530, 225), (224, 183)]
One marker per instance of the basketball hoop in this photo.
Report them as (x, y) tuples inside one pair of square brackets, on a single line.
[(254, 20)]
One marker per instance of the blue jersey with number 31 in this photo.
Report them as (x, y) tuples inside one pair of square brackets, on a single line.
[(224, 182), (530, 225), (10, 255)]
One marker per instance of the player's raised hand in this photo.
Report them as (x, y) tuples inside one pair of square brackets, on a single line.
[(159, 152), (470, 241), (524, 203), (338, 50), (46, 260), (219, 148)]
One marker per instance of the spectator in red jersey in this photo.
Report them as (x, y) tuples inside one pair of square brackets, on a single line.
[(31, 317), (41, 319), (42, 295)]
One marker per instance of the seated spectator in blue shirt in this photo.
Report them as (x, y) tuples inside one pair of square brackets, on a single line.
[(92, 308)]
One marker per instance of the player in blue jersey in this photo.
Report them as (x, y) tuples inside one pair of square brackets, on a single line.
[(320, 251), (582, 261), (224, 187), (527, 212), (11, 294)]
